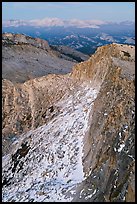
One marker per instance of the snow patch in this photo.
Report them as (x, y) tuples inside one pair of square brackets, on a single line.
[(121, 147), (53, 166), (91, 195)]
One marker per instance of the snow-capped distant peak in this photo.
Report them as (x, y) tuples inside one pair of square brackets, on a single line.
[(47, 22)]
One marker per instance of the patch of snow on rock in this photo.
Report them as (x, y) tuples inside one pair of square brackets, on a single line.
[(121, 147), (53, 165)]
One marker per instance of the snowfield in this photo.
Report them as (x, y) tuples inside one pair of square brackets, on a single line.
[(53, 165)]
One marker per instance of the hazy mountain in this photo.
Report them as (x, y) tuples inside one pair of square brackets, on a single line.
[(49, 22)]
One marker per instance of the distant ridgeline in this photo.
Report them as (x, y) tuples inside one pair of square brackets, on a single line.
[(85, 39)]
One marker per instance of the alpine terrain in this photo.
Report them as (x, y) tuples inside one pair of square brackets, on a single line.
[(24, 58), (68, 136), (83, 35)]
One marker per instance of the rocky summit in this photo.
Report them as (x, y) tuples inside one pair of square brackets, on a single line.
[(71, 137)]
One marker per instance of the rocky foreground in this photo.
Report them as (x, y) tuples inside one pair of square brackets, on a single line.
[(71, 137)]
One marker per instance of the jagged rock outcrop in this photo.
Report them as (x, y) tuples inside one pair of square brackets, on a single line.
[(109, 147), (20, 39), (26, 106), (84, 150), (24, 58)]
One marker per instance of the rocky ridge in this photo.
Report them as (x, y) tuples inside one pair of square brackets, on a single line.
[(85, 120), (24, 58)]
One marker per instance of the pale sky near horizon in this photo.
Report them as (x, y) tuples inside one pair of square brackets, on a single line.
[(106, 11)]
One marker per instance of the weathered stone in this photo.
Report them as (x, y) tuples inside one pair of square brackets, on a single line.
[(106, 123)]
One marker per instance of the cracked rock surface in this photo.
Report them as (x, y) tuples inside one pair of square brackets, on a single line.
[(72, 137)]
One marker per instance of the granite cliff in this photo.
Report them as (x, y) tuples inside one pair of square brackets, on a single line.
[(73, 134)]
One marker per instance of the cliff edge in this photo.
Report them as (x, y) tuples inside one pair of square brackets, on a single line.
[(74, 135)]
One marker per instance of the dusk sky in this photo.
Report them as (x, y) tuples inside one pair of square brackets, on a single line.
[(106, 11)]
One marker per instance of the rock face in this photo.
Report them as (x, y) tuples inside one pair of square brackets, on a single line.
[(109, 148), (27, 106), (78, 132), (25, 58)]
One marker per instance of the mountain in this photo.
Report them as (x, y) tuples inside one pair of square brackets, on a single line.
[(54, 22), (72, 137), (50, 22), (82, 35), (25, 58)]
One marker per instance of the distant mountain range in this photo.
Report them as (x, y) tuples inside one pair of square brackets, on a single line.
[(82, 35)]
